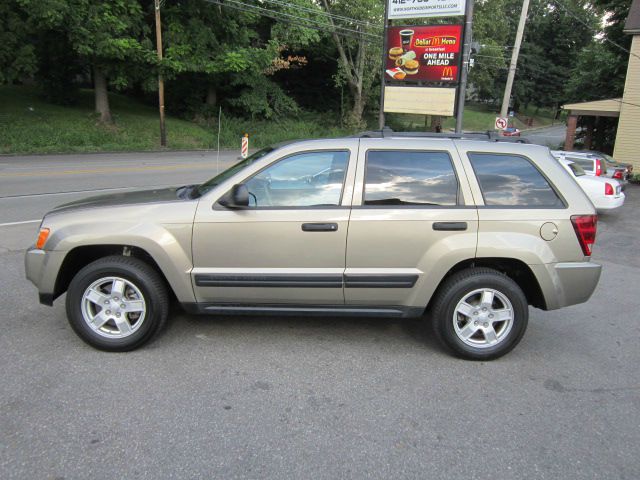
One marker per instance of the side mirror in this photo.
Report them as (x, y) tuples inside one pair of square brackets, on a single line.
[(237, 197)]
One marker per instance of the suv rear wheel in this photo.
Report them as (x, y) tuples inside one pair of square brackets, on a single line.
[(117, 303), (480, 314)]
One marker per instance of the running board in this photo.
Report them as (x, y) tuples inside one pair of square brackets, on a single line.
[(316, 310)]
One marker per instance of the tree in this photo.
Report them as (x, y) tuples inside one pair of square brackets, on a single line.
[(493, 30), (601, 68), (553, 35), (359, 58), (218, 48), (17, 53), (110, 36)]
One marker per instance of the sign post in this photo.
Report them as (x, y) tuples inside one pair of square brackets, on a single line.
[(381, 120)]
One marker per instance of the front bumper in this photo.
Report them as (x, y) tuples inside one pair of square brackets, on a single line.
[(41, 268), (569, 283)]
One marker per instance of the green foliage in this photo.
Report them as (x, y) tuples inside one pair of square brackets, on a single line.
[(591, 78), (262, 98), (17, 54), (29, 125), (493, 30), (215, 56), (112, 34), (601, 69), (58, 66)]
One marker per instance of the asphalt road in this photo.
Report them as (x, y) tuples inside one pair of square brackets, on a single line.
[(550, 137), (251, 397)]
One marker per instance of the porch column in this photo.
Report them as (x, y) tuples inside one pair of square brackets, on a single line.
[(570, 139), (588, 138)]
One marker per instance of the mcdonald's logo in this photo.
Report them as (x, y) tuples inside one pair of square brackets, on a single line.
[(447, 72)]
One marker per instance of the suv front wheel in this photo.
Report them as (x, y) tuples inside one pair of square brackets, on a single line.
[(117, 303), (480, 314)]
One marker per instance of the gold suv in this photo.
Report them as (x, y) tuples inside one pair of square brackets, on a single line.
[(465, 230)]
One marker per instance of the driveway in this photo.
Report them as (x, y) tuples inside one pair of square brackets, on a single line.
[(550, 136)]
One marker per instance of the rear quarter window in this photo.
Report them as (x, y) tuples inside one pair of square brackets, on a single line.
[(512, 181)]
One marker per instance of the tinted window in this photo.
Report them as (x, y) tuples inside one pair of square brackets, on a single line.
[(577, 170), (304, 180), (397, 177), (510, 180), (585, 163)]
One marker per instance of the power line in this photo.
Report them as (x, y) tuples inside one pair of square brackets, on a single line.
[(570, 13), (323, 12), (238, 5), (629, 103)]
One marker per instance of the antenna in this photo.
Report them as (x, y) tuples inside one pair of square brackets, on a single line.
[(219, 126)]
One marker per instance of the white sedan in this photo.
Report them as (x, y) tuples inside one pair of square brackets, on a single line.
[(605, 193)]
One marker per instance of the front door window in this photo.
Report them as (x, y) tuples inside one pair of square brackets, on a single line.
[(310, 179)]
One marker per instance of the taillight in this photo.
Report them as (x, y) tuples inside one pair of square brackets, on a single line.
[(608, 189), (617, 174), (585, 227), (598, 167)]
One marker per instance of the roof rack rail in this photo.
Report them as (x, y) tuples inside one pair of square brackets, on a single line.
[(490, 136)]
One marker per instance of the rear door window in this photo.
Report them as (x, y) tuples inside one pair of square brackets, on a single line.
[(404, 178), (512, 181)]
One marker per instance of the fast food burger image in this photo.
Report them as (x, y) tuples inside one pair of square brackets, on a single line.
[(411, 67), (395, 53)]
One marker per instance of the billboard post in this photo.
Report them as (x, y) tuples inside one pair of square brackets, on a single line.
[(466, 50), (381, 119)]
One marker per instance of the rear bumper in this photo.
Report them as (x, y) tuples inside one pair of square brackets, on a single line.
[(41, 268), (569, 283), (610, 203)]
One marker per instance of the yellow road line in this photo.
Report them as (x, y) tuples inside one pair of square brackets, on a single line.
[(50, 173)]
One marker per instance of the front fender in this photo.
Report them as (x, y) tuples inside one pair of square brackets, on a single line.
[(168, 244)]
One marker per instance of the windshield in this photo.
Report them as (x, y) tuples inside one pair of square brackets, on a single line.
[(577, 170), (229, 172)]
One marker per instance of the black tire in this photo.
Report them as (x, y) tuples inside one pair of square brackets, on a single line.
[(141, 281), (457, 288)]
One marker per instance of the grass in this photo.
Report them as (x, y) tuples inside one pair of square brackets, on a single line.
[(476, 118), (30, 125)]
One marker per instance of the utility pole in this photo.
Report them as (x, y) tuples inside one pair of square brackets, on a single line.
[(514, 59), (466, 53), (163, 132)]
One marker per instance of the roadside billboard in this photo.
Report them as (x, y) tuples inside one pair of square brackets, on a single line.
[(423, 54), (424, 8)]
